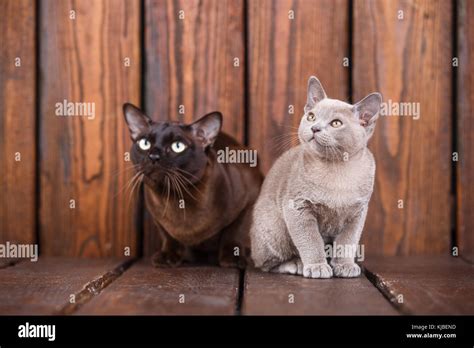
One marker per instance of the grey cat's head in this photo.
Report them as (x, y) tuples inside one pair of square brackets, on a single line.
[(333, 129)]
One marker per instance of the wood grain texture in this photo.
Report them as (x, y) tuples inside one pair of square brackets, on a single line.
[(145, 290), (430, 285), (465, 129), (190, 62), (283, 54), (17, 121), (270, 294), (45, 287), (407, 60), (83, 60)]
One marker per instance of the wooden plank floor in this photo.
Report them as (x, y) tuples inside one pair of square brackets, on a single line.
[(147, 290), (428, 285), (7, 262), (278, 294), (45, 287)]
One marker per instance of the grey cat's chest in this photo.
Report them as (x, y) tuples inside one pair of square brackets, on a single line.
[(331, 221), (336, 195)]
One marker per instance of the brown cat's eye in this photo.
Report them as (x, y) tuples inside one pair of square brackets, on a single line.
[(311, 116), (336, 123)]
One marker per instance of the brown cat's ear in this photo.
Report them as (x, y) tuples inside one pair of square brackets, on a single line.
[(367, 111), (206, 129), (136, 120), (315, 93)]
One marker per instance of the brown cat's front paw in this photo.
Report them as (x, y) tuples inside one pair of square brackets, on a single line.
[(229, 258), (167, 258), (236, 262), (346, 270)]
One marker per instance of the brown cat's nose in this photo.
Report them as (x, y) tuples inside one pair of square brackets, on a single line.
[(154, 157), (316, 129)]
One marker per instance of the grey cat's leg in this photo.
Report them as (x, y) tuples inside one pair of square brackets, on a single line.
[(293, 266), (304, 231), (270, 242), (346, 267)]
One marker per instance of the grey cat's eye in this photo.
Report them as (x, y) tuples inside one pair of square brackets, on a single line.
[(311, 116), (336, 123), (144, 144)]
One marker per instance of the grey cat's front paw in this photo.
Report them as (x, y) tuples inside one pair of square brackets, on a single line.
[(317, 270), (294, 266), (346, 270)]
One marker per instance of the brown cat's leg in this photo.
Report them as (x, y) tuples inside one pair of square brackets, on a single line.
[(171, 254), (234, 246)]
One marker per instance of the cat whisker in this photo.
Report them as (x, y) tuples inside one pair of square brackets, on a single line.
[(168, 192), (178, 191), (127, 185), (283, 135), (180, 178), (125, 170), (187, 173), (286, 125), (186, 180), (178, 186), (284, 142), (336, 152), (137, 183)]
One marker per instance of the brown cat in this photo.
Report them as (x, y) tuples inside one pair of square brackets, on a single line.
[(201, 206)]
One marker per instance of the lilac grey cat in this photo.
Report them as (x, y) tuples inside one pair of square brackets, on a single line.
[(318, 192)]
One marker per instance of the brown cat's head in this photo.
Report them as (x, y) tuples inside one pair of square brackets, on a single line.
[(161, 148), (333, 129)]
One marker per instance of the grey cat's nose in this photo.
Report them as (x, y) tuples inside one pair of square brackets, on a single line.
[(316, 129), (154, 157)]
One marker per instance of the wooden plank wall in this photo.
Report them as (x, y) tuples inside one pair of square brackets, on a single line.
[(283, 53), (465, 129), (82, 159), (190, 51), (408, 60), (17, 121), (190, 61)]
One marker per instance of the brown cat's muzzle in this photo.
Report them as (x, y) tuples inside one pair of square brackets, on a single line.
[(155, 173)]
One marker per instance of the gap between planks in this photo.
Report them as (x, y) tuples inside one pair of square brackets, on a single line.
[(240, 292), (44, 287), (385, 290), (185, 290), (424, 285), (5, 263), (95, 287)]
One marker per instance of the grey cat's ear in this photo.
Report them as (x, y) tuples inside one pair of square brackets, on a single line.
[(315, 93), (367, 111), (136, 120), (206, 129)]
